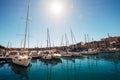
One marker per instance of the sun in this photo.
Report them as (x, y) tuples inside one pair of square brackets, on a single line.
[(56, 8)]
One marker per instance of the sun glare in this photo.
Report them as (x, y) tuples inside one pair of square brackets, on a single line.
[(56, 8)]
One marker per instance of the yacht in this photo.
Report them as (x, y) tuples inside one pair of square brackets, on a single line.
[(11, 54), (66, 53), (76, 54), (35, 54), (46, 55), (90, 52), (56, 54), (22, 60)]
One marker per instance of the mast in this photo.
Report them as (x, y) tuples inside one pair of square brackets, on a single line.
[(66, 39), (86, 41), (41, 44), (85, 38), (53, 44), (62, 41), (73, 39), (8, 44), (28, 36), (72, 36), (26, 24), (48, 39), (67, 42), (93, 45)]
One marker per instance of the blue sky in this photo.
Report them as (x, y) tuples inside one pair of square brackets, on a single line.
[(93, 17)]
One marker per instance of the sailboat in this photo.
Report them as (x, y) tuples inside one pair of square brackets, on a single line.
[(22, 58), (35, 54), (46, 55), (50, 53), (56, 54), (74, 54), (66, 53), (89, 50)]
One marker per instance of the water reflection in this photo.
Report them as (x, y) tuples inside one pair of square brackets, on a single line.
[(52, 62), (1, 65), (33, 60), (92, 66), (22, 72), (72, 59), (113, 57), (104, 66)]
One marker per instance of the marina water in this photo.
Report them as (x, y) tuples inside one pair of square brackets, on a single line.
[(104, 66)]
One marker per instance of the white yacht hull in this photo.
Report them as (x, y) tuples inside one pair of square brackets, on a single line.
[(47, 57), (56, 56), (66, 54), (21, 62)]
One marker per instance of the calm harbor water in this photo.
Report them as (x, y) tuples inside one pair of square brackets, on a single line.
[(105, 66)]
